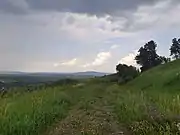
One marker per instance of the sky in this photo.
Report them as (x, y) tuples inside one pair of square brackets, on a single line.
[(82, 35)]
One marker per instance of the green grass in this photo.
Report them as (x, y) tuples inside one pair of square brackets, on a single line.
[(148, 105), (147, 112), (23, 113), (31, 113)]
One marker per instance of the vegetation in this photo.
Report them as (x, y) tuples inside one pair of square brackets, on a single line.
[(175, 48), (150, 103), (126, 73), (31, 113), (147, 105), (148, 57)]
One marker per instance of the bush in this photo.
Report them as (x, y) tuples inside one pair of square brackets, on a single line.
[(126, 73), (65, 82)]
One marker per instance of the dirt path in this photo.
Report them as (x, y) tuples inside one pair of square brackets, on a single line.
[(96, 120)]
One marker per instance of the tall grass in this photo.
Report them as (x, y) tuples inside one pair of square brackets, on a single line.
[(149, 105), (150, 112), (32, 113)]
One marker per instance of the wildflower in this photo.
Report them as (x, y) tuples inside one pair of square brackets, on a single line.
[(178, 126)]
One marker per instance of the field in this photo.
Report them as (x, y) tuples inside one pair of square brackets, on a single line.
[(148, 105)]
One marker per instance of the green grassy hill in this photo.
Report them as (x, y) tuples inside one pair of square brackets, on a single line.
[(148, 105), (163, 77)]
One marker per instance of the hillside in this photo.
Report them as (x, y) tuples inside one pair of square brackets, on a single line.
[(163, 77), (148, 105)]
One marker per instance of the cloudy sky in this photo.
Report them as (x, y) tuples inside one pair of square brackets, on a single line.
[(82, 35)]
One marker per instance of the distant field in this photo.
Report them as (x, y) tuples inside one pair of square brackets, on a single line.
[(12, 79), (148, 105)]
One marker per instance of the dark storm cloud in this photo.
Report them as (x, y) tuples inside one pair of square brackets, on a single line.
[(97, 7), (5, 6), (15, 7)]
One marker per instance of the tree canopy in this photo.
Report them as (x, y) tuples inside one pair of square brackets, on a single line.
[(175, 48), (148, 56), (126, 73)]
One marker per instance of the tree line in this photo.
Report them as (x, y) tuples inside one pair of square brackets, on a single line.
[(147, 58)]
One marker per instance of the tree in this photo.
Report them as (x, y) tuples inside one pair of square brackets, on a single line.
[(126, 73), (165, 59), (147, 56), (175, 48)]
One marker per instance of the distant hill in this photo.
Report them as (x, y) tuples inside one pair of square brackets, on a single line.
[(14, 77), (90, 73), (74, 75), (10, 72), (87, 73)]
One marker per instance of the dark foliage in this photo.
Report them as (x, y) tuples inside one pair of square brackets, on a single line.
[(126, 73), (175, 48), (112, 78), (65, 82), (148, 56), (165, 59)]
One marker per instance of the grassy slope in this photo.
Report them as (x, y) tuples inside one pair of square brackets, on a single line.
[(150, 104), (164, 77)]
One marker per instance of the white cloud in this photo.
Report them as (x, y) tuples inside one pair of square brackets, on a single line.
[(129, 59), (67, 63), (56, 64), (114, 46), (100, 59)]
